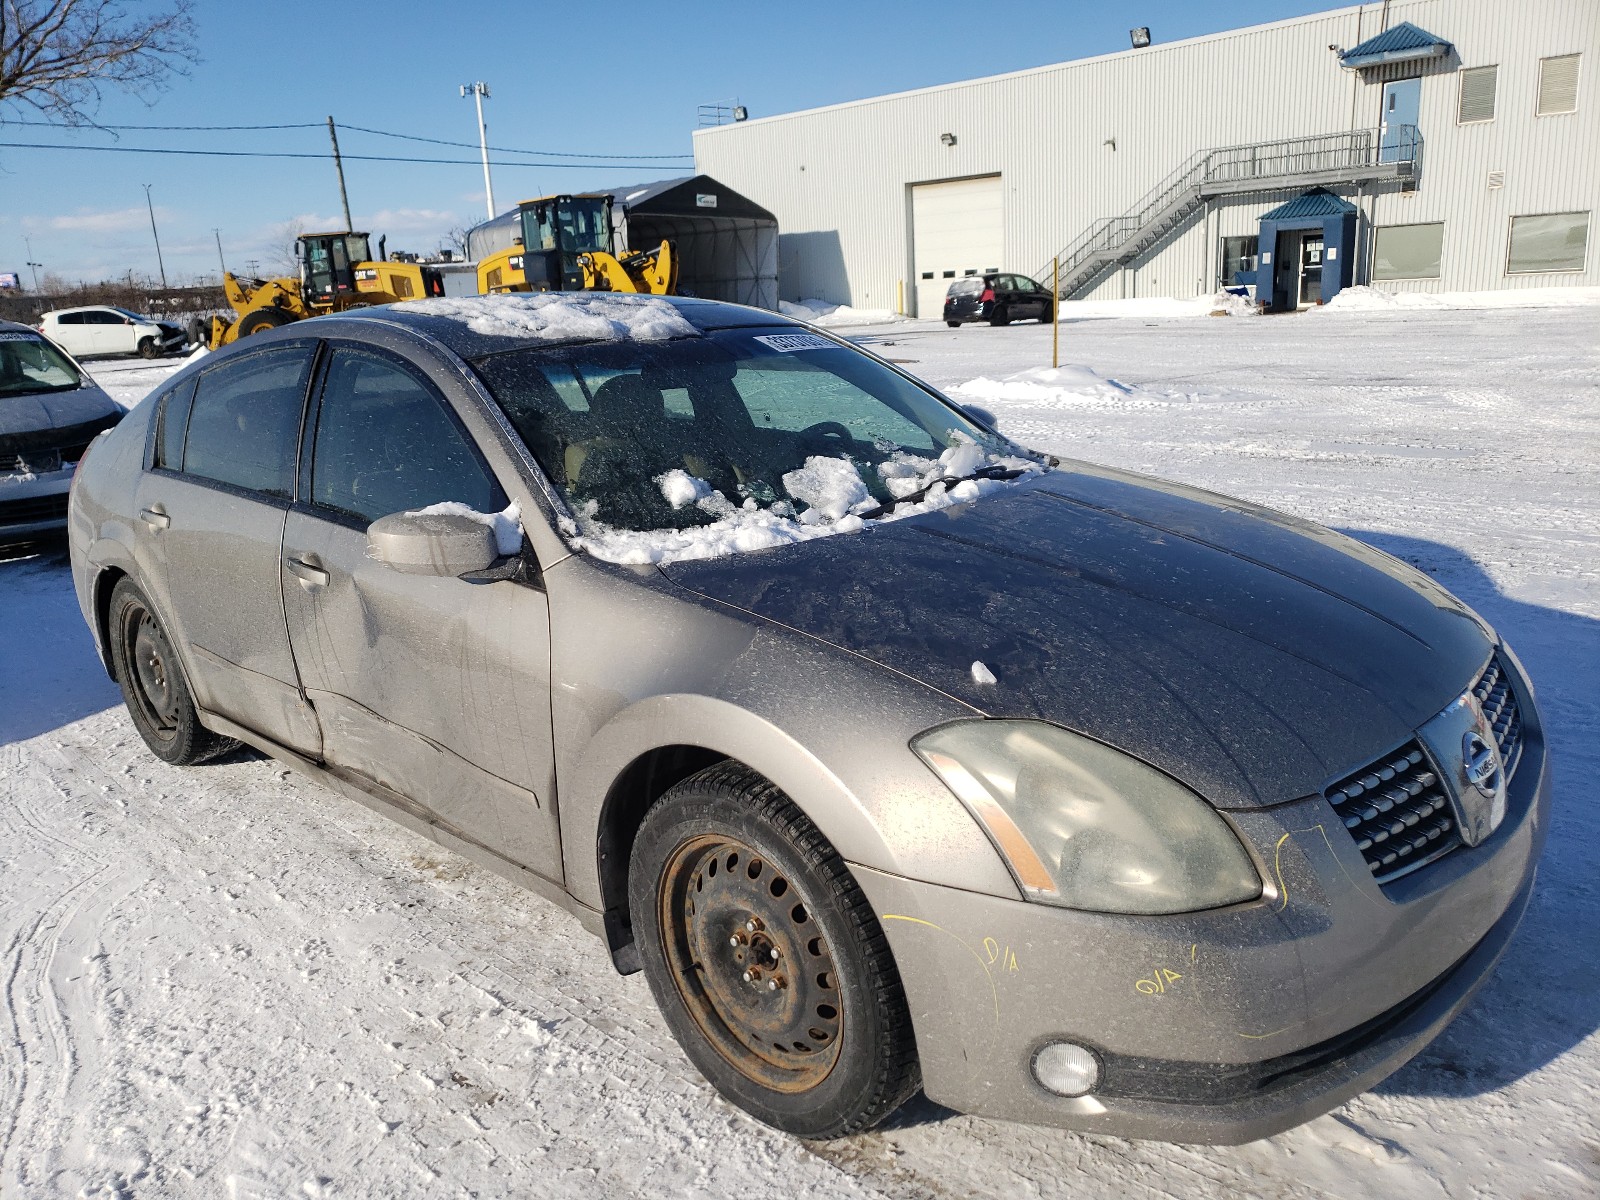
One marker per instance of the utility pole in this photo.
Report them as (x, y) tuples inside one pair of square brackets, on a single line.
[(154, 234), (338, 165), (218, 234), (480, 92), (33, 266)]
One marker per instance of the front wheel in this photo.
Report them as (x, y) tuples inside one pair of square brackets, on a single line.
[(148, 348), (766, 959), (953, 324)]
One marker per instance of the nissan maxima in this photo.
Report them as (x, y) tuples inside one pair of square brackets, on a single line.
[(897, 755)]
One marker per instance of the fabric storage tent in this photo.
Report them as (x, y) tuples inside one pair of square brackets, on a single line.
[(727, 246)]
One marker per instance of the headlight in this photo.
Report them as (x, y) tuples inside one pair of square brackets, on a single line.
[(1085, 826)]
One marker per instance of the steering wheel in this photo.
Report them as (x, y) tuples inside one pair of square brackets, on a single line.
[(827, 429)]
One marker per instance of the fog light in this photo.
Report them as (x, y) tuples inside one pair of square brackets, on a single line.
[(1066, 1069)]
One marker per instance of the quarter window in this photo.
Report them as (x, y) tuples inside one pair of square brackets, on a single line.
[(385, 443), (1476, 102), (244, 427), (1408, 251), (1558, 84), (1549, 242), (174, 420)]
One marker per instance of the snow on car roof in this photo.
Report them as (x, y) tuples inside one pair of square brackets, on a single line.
[(561, 316)]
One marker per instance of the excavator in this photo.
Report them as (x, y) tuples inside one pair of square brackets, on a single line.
[(567, 244), (337, 271)]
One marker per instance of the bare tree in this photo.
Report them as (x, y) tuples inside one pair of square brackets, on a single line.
[(455, 239), (282, 250), (56, 55)]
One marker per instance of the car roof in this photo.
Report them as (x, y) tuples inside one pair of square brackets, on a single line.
[(17, 327), (453, 331), (56, 312)]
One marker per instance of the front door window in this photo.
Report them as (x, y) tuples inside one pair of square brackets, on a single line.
[(1311, 269)]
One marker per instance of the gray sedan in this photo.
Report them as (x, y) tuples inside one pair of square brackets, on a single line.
[(896, 755)]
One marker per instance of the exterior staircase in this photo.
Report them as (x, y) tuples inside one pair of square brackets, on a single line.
[(1354, 156)]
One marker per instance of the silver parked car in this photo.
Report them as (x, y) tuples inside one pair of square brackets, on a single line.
[(50, 410), (896, 755)]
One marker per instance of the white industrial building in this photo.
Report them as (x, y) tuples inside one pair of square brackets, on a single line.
[(1420, 145)]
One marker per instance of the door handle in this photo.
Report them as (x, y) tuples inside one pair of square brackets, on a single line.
[(308, 573), (155, 516)]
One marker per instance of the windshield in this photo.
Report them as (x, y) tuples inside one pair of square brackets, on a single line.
[(741, 439), (134, 316), (357, 248), (573, 225), (29, 364)]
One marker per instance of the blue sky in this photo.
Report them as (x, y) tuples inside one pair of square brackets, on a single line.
[(619, 79)]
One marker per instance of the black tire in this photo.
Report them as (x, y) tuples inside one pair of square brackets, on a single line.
[(149, 348), (819, 1043), (1000, 316), (953, 324), (152, 682), (261, 320), (199, 331)]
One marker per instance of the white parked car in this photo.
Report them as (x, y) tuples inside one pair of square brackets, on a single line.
[(101, 329)]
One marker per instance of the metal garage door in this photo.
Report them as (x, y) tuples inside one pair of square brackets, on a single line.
[(956, 229)]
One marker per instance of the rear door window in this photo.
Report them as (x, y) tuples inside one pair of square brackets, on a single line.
[(386, 442), (244, 426)]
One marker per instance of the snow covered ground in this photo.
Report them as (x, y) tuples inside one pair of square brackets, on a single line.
[(225, 981)]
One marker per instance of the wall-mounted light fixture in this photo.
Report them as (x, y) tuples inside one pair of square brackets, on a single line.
[(949, 139), (1112, 142), (741, 113), (1140, 37)]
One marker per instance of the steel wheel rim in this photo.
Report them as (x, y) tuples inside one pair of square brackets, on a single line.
[(751, 964), (153, 681)]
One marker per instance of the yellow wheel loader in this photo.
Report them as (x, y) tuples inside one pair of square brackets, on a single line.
[(568, 245), (337, 272)]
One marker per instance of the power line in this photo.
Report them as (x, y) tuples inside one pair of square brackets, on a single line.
[(447, 162), (409, 137), (504, 149)]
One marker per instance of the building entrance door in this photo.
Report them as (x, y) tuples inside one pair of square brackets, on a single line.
[(1397, 126), (1310, 270)]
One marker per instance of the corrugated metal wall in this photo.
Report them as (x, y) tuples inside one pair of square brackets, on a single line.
[(1085, 140)]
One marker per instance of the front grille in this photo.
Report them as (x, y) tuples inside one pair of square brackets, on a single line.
[(1397, 811), (34, 508), (1493, 691)]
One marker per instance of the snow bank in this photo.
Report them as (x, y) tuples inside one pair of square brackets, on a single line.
[(1371, 299), (831, 489), (820, 312), (1054, 386), (507, 524), (561, 317), (1159, 306)]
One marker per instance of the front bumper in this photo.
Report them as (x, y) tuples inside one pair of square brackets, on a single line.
[(33, 505), (1218, 1027)]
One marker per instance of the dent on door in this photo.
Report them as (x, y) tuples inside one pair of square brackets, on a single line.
[(434, 688)]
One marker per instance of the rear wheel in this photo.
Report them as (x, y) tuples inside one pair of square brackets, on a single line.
[(261, 320), (1000, 316), (152, 682), (148, 348), (766, 959)]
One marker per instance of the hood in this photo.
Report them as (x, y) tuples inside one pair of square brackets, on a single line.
[(56, 412), (1251, 655)]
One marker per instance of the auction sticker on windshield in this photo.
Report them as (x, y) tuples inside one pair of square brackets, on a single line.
[(788, 343)]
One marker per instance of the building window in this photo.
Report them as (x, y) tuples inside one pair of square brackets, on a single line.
[(1558, 84), (1476, 102), (1238, 254), (1408, 251), (1549, 242)]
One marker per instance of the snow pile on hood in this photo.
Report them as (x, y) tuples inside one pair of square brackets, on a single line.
[(831, 490), (562, 317), (507, 524), (1052, 387), (1371, 299), (820, 312)]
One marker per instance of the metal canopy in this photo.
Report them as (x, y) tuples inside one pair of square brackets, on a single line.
[(1403, 43), (1317, 203)]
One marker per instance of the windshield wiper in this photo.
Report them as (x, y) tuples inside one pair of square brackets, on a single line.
[(992, 471)]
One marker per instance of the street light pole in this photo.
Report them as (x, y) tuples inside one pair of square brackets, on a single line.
[(480, 92), (148, 204), (218, 233), (33, 266)]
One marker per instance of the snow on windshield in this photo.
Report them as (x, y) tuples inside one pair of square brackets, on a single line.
[(827, 496), (561, 317)]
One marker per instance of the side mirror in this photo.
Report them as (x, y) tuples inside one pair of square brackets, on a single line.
[(982, 416), (432, 544)]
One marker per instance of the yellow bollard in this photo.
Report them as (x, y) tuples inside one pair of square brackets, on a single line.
[(1055, 314)]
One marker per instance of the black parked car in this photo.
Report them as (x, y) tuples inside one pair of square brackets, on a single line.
[(998, 299)]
